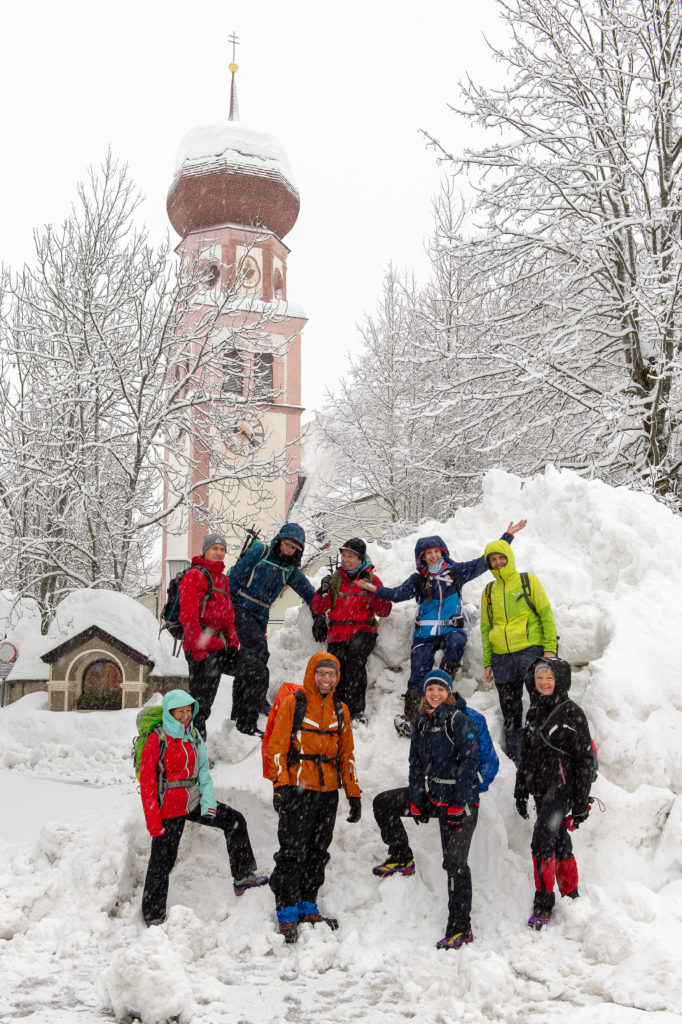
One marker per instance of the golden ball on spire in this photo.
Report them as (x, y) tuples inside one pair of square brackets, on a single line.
[(232, 67)]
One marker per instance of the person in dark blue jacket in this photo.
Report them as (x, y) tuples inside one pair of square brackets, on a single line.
[(446, 752), (256, 581), (437, 588)]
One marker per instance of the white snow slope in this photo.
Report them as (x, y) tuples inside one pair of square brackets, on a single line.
[(74, 845)]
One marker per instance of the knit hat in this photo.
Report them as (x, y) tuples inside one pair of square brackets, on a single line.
[(210, 539), (438, 677), (357, 546), (327, 663)]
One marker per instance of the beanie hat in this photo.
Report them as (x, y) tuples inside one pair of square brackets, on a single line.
[(328, 663), (438, 677), (210, 539), (357, 546)]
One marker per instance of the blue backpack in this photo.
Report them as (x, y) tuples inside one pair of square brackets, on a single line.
[(488, 761)]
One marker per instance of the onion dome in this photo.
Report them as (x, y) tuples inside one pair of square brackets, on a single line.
[(232, 174)]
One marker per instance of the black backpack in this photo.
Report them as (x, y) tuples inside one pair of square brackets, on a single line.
[(170, 613)]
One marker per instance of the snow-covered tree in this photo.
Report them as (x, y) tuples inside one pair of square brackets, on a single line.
[(114, 411), (581, 256)]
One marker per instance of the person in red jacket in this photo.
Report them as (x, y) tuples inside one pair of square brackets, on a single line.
[(176, 787), (210, 639), (352, 622)]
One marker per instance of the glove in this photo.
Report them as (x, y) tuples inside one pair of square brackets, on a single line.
[(230, 656), (279, 798), (355, 804), (580, 815), (325, 586), (418, 815), (319, 629), (455, 818), (522, 806)]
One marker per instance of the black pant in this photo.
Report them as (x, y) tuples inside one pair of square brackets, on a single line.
[(305, 830), (353, 655), (204, 679), (550, 838), (252, 676), (165, 850), (389, 807)]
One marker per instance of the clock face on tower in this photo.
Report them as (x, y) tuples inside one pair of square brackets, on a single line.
[(250, 272), (247, 433)]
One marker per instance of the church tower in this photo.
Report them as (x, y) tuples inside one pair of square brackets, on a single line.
[(233, 200)]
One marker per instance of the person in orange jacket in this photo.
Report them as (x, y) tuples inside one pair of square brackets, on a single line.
[(310, 756)]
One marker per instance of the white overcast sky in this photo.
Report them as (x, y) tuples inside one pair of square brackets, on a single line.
[(344, 87)]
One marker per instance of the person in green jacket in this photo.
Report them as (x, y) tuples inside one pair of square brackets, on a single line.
[(517, 628)]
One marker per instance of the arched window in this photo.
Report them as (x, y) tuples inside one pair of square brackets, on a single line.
[(101, 686), (233, 373)]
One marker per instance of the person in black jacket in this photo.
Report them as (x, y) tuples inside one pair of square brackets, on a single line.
[(557, 767), (443, 784)]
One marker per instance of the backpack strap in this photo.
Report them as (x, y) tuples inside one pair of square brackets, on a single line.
[(294, 755), (525, 588), (489, 602)]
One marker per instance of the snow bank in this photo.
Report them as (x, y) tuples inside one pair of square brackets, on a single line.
[(69, 909)]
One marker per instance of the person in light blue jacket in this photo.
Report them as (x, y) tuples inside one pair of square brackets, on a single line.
[(437, 588)]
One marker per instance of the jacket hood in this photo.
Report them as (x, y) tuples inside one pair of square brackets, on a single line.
[(424, 543), (176, 699), (309, 678), (292, 531), (501, 547), (562, 675)]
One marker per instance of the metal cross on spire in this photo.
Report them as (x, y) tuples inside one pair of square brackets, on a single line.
[(233, 67)]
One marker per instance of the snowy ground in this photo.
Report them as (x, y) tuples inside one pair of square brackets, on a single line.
[(74, 846)]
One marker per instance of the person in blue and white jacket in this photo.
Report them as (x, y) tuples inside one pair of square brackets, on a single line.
[(437, 587)]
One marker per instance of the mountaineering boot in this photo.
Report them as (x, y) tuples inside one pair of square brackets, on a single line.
[(395, 866), (252, 881), (403, 723), (150, 922), (450, 667), (308, 913), (455, 941), (289, 929)]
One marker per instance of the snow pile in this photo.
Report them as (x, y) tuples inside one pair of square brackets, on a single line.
[(235, 145), (71, 889)]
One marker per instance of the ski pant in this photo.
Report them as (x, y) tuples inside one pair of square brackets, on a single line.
[(252, 677), (204, 679), (392, 805), (305, 830), (165, 850), (552, 850), (424, 651), (353, 655), (510, 672)]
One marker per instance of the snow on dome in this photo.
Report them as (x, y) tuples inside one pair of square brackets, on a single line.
[(236, 143)]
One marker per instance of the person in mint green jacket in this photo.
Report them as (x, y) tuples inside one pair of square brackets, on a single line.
[(517, 628)]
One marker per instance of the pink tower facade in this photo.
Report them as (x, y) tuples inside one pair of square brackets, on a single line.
[(233, 200)]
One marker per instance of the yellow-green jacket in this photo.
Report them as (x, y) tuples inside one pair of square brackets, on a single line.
[(507, 623)]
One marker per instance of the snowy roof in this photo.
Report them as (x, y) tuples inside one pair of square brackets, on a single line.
[(117, 615), (232, 143)]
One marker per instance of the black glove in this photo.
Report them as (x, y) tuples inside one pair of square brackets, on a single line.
[(325, 586), (418, 815), (230, 657), (319, 629), (280, 798), (522, 806), (355, 813), (580, 815)]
